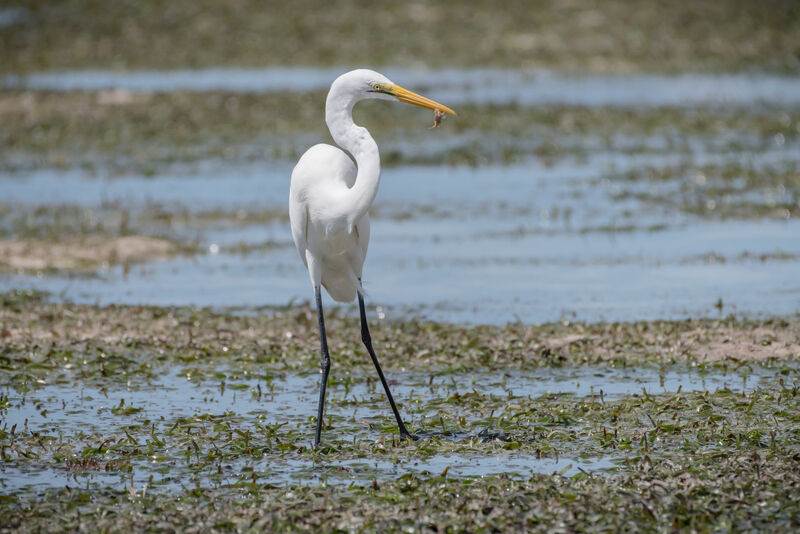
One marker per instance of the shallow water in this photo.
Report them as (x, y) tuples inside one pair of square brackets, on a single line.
[(493, 244), (81, 412), (291, 397), (533, 242), (11, 16), (20, 480), (455, 86)]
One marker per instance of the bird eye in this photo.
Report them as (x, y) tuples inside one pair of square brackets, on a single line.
[(376, 87)]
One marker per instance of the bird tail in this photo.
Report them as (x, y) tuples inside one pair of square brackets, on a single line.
[(342, 285)]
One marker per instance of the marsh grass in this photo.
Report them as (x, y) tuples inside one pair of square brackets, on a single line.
[(153, 132), (619, 37), (750, 491), (706, 460), (284, 338), (75, 129), (97, 448)]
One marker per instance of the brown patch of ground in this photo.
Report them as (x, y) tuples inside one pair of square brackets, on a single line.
[(563, 341), (288, 337), (70, 323), (757, 344), (81, 253), (710, 342)]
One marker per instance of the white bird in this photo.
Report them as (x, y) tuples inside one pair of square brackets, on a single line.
[(329, 201)]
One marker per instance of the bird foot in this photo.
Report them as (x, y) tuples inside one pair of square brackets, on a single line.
[(409, 436)]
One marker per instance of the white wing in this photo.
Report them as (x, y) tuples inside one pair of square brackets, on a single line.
[(298, 218), (333, 255), (320, 167), (362, 234)]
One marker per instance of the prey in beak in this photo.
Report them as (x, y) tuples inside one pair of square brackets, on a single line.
[(410, 97)]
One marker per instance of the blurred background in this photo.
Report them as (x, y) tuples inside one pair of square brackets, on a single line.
[(610, 161)]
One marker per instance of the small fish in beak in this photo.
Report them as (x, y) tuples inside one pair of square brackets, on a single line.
[(437, 118)]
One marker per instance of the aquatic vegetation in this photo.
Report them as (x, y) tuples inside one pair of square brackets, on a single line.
[(136, 417), (152, 130), (167, 414), (682, 36)]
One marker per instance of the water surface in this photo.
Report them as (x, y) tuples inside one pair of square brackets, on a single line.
[(83, 413), (528, 242), (454, 86)]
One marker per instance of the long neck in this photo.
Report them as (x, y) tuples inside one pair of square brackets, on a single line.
[(356, 140)]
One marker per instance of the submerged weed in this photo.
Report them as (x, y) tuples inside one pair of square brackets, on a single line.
[(166, 416)]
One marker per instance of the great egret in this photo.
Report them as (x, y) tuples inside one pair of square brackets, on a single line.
[(329, 201)]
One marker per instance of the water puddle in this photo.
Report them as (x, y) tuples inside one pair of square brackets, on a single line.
[(26, 480), (12, 15), (455, 86), (291, 396), (514, 465), (83, 415)]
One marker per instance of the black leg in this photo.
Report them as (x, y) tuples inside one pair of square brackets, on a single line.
[(365, 337), (325, 364)]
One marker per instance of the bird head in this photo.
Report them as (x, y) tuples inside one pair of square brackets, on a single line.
[(365, 83)]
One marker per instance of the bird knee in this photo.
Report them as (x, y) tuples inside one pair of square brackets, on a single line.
[(366, 338)]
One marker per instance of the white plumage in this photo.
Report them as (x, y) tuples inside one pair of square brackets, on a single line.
[(329, 200), (332, 249)]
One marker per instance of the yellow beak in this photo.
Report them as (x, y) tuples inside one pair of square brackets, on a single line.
[(410, 97)]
